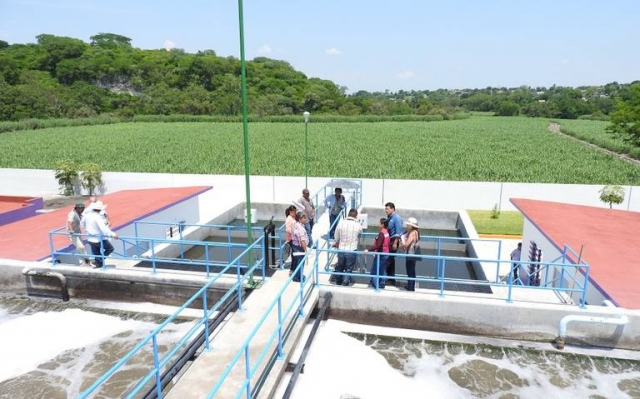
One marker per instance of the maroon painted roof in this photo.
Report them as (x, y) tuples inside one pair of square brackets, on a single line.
[(28, 239), (611, 239)]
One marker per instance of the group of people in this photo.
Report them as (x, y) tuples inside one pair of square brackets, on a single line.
[(298, 225), (94, 220), (394, 236)]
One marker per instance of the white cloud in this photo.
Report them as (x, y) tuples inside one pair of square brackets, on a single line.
[(565, 62), (332, 51), (406, 75), (265, 49), (169, 45)]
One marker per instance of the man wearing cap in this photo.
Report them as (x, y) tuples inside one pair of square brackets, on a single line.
[(73, 229), (98, 232), (347, 234)]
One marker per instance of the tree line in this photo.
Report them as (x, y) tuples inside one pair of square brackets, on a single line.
[(64, 77)]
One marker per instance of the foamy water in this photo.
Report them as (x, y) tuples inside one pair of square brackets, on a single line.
[(368, 366), (59, 354)]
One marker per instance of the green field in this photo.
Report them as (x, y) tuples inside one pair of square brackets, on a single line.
[(481, 148), (594, 132)]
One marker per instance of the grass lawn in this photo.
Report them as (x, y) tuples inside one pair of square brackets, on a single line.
[(508, 223)]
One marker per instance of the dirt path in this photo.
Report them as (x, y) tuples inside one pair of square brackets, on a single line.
[(555, 128), (52, 202)]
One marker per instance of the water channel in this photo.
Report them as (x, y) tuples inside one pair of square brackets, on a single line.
[(54, 350), (374, 365)]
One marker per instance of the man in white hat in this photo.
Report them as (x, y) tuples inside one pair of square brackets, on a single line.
[(98, 232)]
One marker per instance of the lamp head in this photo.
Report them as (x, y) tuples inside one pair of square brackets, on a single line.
[(306, 115)]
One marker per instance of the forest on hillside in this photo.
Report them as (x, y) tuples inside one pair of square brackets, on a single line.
[(64, 77)]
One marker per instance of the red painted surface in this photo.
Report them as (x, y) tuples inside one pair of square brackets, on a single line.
[(611, 239), (28, 239), (9, 203)]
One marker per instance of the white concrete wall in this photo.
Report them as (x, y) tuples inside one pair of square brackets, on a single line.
[(424, 194)]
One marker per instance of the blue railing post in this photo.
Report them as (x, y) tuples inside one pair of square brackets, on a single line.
[(583, 303), (377, 266), (205, 308), (156, 365), (302, 282), (498, 261), (51, 247), (444, 265), (206, 257), (438, 262), (247, 367), (280, 343), (546, 275), (135, 233), (181, 239), (239, 283), (316, 268), (509, 298), (153, 256), (229, 252)]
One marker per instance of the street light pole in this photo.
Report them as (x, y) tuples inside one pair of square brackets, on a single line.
[(306, 115), (245, 136)]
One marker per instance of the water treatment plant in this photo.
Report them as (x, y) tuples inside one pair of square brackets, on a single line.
[(187, 308)]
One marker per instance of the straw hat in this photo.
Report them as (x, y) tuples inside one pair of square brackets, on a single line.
[(97, 206), (413, 222)]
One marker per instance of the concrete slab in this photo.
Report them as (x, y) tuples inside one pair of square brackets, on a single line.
[(203, 374)]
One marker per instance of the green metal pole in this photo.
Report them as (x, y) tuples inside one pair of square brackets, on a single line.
[(245, 136), (306, 156)]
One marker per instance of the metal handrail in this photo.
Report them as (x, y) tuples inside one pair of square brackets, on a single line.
[(579, 287), (298, 303), (159, 363)]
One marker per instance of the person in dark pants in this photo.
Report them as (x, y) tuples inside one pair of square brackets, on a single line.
[(98, 233), (299, 241), (347, 236), (335, 204), (394, 222), (413, 238), (380, 248), (515, 259)]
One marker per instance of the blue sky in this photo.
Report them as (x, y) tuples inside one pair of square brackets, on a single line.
[(372, 45)]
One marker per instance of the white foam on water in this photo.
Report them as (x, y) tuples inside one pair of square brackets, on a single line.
[(339, 366), (28, 341)]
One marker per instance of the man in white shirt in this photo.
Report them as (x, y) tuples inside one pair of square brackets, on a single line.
[(98, 232), (346, 239)]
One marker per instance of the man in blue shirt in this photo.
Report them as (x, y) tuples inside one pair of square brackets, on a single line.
[(335, 204), (395, 231)]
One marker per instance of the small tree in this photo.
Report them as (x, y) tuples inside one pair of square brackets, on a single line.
[(612, 195), (495, 212), (66, 172), (91, 176)]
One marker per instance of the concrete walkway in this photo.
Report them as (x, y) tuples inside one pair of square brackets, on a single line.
[(202, 376)]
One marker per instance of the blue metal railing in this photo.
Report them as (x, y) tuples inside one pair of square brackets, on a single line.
[(160, 362), (578, 286), (276, 339)]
